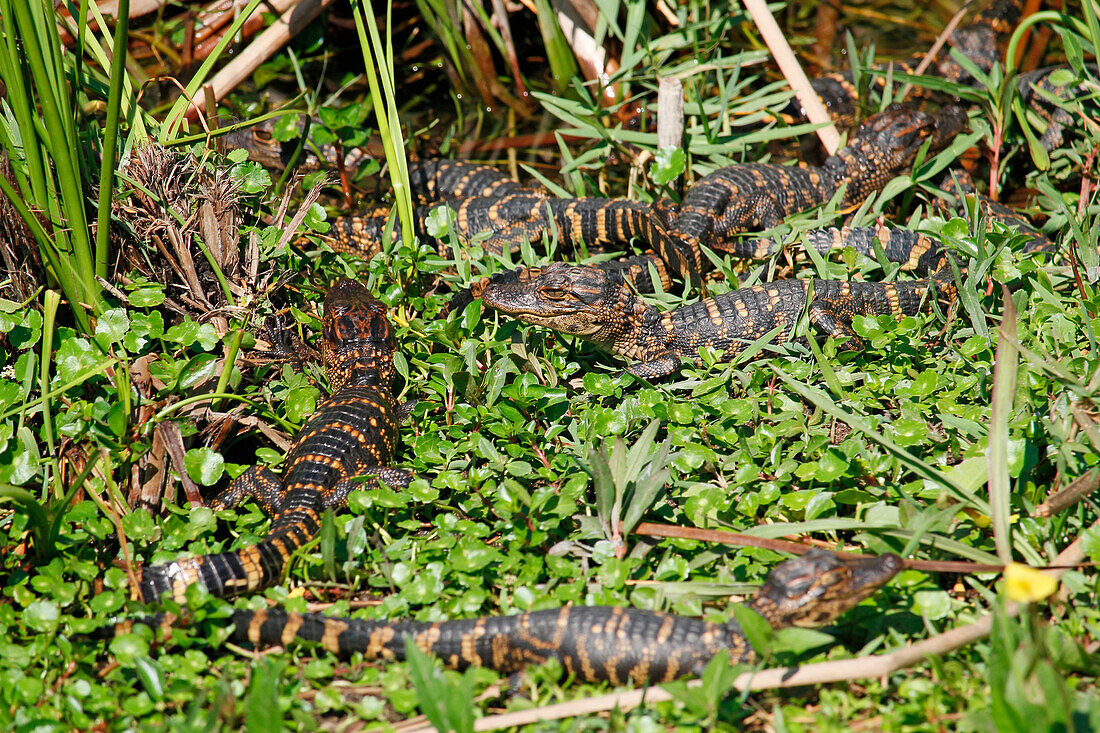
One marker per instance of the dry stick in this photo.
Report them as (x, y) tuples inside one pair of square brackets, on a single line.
[(796, 77), (797, 548), (267, 43), (931, 55), (811, 674), (1063, 499), (670, 112), (213, 23), (290, 231), (500, 15), (578, 20)]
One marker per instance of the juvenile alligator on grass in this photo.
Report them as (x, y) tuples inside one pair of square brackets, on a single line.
[(754, 196), (593, 643), (486, 202), (583, 301), (346, 445), (914, 251)]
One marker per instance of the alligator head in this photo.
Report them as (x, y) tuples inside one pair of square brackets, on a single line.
[(357, 339), (815, 588), (577, 300), (887, 144)]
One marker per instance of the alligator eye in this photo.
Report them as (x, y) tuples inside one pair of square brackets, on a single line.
[(553, 293)]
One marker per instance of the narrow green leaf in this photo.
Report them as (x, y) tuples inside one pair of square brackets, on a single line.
[(262, 712), (1004, 387)]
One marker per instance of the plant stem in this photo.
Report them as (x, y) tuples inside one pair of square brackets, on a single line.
[(110, 138)]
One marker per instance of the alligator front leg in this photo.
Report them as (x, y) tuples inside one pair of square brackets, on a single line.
[(258, 482), (661, 365), (336, 496)]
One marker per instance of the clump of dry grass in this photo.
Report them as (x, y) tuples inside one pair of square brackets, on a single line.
[(184, 218), (19, 257)]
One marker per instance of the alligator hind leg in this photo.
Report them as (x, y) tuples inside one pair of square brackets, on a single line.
[(825, 318), (336, 497), (258, 482)]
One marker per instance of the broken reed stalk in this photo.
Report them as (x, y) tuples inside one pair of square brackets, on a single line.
[(792, 70), (293, 20)]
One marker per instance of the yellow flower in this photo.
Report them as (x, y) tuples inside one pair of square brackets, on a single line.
[(1025, 584)]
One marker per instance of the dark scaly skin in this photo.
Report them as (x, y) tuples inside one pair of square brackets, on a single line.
[(439, 180), (486, 202), (593, 643), (755, 196), (345, 445), (582, 301), (916, 252), (1045, 91)]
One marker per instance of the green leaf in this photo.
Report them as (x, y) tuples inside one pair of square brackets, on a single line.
[(668, 165), (757, 630), (447, 705), (469, 556), (113, 324), (204, 466), (74, 356), (151, 676), (128, 648), (42, 616), (439, 221), (932, 604), (301, 402), (251, 176), (797, 640), (262, 709), (148, 296), (1090, 543), (317, 218)]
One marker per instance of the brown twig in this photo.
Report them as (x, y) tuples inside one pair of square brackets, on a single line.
[(798, 548), (267, 43), (931, 55), (1063, 499)]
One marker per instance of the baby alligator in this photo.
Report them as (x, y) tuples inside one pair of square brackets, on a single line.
[(344, 446), (509, 215), (582, 301), (755, 196), (593, 643), (916, 252)]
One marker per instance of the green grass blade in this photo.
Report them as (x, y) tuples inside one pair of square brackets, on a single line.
[(110, 138), (175, 115), (379, 73), (917, 466), (1004, 387)]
